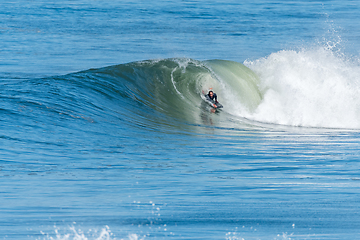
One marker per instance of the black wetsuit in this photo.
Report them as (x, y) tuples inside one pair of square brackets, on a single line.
[(213, 98)]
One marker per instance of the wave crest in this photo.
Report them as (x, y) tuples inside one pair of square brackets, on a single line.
[(311, 88)]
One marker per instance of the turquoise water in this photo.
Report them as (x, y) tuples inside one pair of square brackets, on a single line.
[(104, 133)]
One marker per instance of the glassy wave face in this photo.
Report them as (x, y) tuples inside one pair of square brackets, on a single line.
[(167, 92)]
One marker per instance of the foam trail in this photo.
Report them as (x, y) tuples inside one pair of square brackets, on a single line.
[(311, 88)]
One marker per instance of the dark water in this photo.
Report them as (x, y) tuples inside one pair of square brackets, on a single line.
[(104, 133)]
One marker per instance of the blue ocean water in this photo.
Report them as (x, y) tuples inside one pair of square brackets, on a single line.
[(104, 133)]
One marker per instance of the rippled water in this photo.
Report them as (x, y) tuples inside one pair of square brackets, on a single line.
[(104, 133)]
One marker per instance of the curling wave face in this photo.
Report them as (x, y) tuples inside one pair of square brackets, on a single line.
[(169, 91)]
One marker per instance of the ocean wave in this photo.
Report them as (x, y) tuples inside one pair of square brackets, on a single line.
[(306, 88)]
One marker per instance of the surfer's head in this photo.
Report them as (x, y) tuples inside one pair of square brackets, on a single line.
[(211, 94)]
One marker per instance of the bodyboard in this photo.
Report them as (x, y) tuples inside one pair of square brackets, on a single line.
[(212, 103)]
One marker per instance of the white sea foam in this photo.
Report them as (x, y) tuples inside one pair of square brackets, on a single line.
[(73, 233), (315, 87)]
